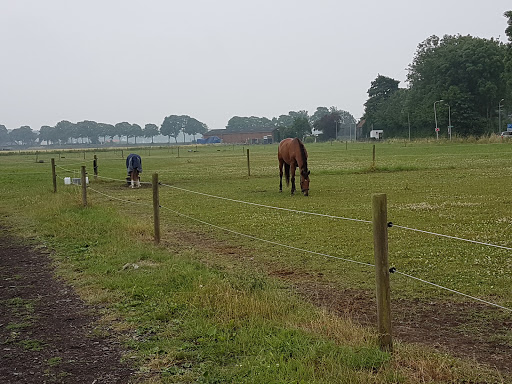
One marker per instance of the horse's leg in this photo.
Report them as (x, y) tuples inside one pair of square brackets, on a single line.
[(280, 175), (292, 176)]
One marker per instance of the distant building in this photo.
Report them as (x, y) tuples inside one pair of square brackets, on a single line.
[(376, 134), (260, 135)]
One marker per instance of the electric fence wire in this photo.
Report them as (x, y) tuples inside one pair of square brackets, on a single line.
[(73, 164), (266, 206), (452, 237), (124, 181), (392, 270), (67, 170), (264, 240), (119, 199), (336, 217)]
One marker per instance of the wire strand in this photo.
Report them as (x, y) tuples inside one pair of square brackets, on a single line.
[(453, 237), (452, 290), (119, 199), (305, 250), (266, 206), (264, 240)]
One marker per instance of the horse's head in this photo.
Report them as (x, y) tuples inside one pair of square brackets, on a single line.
[(304, 181)]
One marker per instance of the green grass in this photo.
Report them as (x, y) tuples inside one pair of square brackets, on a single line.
[(32, 345), (54, 361), (201, 307)]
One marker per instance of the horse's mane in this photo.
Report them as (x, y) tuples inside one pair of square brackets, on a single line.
[(303, 155)]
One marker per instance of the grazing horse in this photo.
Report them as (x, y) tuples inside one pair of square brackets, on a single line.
[(293, 154), (134, 168)]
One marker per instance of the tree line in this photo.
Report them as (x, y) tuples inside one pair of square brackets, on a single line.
[(461, 83), (294, 124), (92, 132), (329, 122)]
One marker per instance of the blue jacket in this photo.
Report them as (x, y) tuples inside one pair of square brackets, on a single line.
[(133, 161)]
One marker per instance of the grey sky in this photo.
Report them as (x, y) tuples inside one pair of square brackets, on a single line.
[(139, 61)]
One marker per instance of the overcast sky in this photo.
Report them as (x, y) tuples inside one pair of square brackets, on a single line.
[(139, 61)]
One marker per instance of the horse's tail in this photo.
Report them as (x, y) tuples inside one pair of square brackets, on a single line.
[(287, 173)]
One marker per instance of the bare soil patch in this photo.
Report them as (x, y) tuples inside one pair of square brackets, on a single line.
[(47, 333), (468, 330)]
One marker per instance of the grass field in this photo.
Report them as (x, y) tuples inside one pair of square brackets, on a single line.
[(201, 305)]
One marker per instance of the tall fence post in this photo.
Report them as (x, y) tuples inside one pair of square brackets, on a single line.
[(54, 176), (95, 167), (83, 181), (248, 164), (178, 151), (373, 162), (156, 208), (380, 246)]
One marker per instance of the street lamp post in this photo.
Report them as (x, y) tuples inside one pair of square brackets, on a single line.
[(409, 122), (449, 122), (435, 118), (499, 115)]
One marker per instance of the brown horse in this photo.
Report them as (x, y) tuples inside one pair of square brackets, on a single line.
[(293, 154), (134, 168)]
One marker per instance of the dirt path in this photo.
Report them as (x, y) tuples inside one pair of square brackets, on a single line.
[(47, 333)]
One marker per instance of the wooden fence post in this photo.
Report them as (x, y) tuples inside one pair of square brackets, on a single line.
[(95, 167), (380, 245), (54, 176), (83, 180), (156, 208), (178, 151), (248, 164), (373, 162)]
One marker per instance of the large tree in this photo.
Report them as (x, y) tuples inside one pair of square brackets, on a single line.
[(23, 135), (46, 133), (65, 130), (334, 122), (237, 123), (381, 90), (150, 130), (123, 129), (194, 127), (104, 130), (319, 113), (508, 59), (172, 126), (466, 73), (136, 131), (4, 134), (89, 130)]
